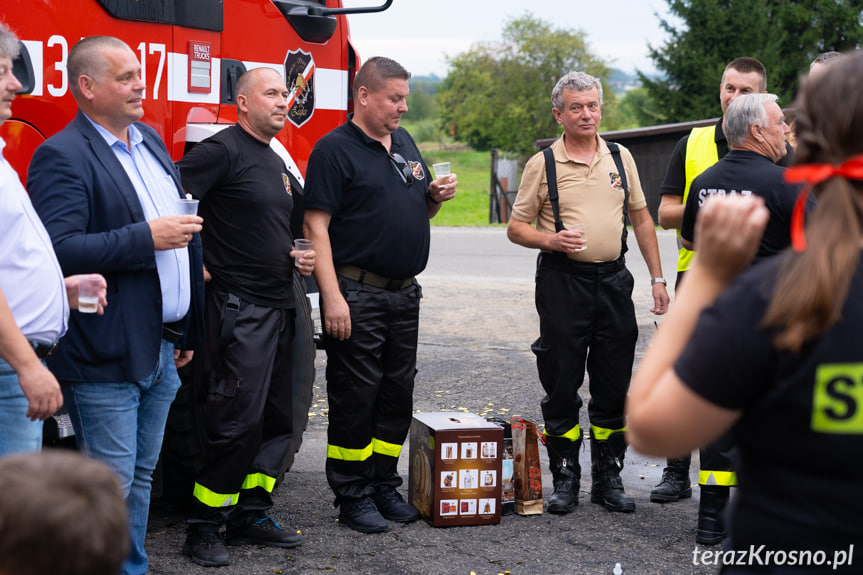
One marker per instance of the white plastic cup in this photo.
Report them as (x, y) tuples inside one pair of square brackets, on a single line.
[(583, 229), (187, 207), (441, 171), (301, 245), (89, 287)]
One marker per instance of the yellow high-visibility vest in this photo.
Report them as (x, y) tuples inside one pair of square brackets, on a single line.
[(701, 153)]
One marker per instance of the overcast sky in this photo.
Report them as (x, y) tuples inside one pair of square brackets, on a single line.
[(419, 33)]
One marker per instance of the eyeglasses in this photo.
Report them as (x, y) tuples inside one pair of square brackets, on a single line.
[(402, 168)]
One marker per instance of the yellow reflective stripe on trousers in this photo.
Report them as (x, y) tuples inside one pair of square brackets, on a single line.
[(383, 448), (602, 433), (707, 477), (265, 482), (346, 454), (213, 499), (573, 434)]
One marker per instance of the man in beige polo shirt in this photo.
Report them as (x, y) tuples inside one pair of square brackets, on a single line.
[(583, 289)]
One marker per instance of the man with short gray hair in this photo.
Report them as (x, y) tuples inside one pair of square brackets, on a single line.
[(755, 129), (583, 289)]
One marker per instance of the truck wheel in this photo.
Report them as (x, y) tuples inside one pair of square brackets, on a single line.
[(185, 442)]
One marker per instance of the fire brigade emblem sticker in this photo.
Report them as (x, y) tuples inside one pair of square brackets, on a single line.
[(300, 78)]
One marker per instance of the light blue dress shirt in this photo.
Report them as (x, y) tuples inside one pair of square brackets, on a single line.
[(30, 276), (158, 195)]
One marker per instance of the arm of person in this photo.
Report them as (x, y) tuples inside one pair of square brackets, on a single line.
[(671, 192), (334, 308), (39, 385), (664, 416), (524, 234), (437, 194), (670, 211), (62, 197), (645, 234), (690, 218)]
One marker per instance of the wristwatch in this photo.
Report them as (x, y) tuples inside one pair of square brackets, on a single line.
[(658, 281)]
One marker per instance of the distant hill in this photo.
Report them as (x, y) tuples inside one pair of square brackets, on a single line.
[(619, 81), (428, 82)]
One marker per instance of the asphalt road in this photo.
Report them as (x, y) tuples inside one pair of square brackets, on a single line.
[(477, 323)]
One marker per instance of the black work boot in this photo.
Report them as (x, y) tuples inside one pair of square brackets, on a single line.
[(362, 515), (566, 473), (204, 545), (606, 462), (392, 505), (675, 482), (263, 531), (711, 508)]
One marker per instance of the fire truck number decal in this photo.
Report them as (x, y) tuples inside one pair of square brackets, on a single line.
[(165, 75), (154, 48), (60, 66)]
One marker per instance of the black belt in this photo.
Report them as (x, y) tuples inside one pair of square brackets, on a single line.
[(173, 332), (42, 350), (370, 278), (560, 262)]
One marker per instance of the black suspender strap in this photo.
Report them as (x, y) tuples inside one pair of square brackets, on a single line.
[(554, 198), (618, 162), (551, 178)]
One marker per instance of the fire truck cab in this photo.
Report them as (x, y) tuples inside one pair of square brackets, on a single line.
[(192, 52)]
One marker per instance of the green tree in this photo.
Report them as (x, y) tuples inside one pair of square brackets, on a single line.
[(422, 104), (785, 35), (498, 94), (633, 110)]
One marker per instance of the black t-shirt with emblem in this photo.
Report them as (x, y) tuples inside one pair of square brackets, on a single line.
[(800, 438), (246, 203), (380, 218)]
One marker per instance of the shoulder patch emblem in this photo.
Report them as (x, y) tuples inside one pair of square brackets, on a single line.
[(615, 181), (300, 78), (417, 170), (287, 181)]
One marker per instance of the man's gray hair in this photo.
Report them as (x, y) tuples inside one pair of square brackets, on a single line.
[(742, 113), (579, 81), (824, 57), (85, 59), (9, 47)]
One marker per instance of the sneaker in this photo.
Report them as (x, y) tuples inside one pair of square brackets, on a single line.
[(362, 515), (204, 545), (392, 506), (263, 532)]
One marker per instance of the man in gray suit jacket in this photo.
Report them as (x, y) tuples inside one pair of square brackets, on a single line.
[(107, 192)]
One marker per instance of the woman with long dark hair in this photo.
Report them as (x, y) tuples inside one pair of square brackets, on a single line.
[(776, 354)]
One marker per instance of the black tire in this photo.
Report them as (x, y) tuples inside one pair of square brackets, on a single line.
[(185, 443)]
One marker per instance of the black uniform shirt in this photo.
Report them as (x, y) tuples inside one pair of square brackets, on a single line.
[(675, 176), (800, 437), (246, 203), (379, 221), (744, 172)]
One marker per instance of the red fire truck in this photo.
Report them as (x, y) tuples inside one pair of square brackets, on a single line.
[(192, 52)]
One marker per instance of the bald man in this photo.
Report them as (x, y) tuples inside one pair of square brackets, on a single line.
[(249, 201)]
